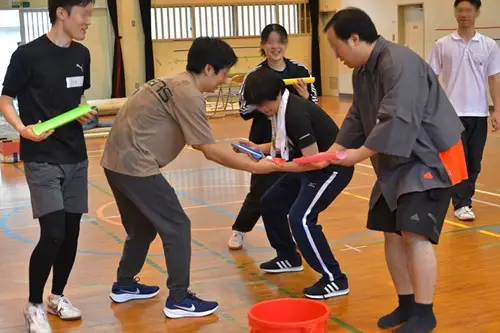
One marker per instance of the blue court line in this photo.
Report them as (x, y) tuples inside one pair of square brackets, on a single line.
[(232, 215), (12, 234), (242, 267), (4, 227), (148, 260), (5, 217)]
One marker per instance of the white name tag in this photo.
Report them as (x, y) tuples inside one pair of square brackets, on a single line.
[(74, 82)]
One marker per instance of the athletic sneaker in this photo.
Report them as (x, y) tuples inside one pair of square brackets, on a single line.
[(191, 306), (278, 265), (236, 240), (36, 319), (134, 291), (465, 214), (62, 307), (324, 288)]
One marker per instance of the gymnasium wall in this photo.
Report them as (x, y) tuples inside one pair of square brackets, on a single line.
[(438, 14), (170, 55)]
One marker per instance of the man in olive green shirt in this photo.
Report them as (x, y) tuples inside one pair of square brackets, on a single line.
[(149, 132)]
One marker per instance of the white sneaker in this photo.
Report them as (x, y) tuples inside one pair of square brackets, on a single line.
[(36, 319), (236, 240), (62, 307), (465, 214)]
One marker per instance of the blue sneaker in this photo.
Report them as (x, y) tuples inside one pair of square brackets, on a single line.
[(191, 306), (132, 292)]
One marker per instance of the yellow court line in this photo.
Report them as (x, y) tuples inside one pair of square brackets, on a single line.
[(100, 215), (460, 225), (486, 192)]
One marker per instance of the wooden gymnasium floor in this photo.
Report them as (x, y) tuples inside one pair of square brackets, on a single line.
[(469, 253)]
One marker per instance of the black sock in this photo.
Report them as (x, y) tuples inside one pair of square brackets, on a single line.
[(422, 310), (401, 314), (422, 321)]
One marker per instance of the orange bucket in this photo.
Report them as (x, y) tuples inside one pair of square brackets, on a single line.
[(288, 315)]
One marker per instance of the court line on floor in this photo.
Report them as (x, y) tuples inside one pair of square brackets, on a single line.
[(456, 224), (149, 261), (109, 220), (477, 190), (365, 198), (11, 233), (339, 321)]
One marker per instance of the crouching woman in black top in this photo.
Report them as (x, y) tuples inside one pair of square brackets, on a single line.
[(299, 128)]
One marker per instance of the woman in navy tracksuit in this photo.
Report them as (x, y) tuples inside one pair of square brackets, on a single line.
[(295, 200), (274, 39)]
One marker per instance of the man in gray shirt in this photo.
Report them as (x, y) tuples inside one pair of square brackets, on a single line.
[(403, 121)]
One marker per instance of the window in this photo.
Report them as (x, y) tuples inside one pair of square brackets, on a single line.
[(171, 23), (227, 21), (34, 23)]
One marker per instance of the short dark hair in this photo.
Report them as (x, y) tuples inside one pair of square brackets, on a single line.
[(475, 3), (67, 5), (353, 21), (277, 28), (210, 51), (263, 85)]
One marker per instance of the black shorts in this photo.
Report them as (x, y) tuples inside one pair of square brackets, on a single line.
[(421, 213)]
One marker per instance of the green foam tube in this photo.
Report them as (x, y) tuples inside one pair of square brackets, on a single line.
[(62, 119)]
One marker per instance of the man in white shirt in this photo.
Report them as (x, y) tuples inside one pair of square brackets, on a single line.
[(466, 59)]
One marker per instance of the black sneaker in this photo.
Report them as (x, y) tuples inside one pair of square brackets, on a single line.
[(278, 265), (324, 289)]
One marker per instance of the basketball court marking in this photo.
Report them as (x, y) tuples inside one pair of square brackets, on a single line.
[(365, 198), (227, 260), (479, 191)]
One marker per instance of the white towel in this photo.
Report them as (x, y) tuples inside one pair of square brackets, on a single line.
[(280, 140)]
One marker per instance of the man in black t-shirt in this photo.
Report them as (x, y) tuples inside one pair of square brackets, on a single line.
[(49, 76), (300, 128)]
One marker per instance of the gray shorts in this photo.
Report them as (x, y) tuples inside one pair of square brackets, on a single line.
[(56, 187)]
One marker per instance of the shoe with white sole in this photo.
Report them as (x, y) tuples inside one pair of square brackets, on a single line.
[(134, 291), (191, 306), (278, 265), (236, 240), (325, 288), (61, 306), (35, 317), (465, 214)]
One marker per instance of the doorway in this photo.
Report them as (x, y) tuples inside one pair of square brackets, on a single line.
[(411, 27)]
